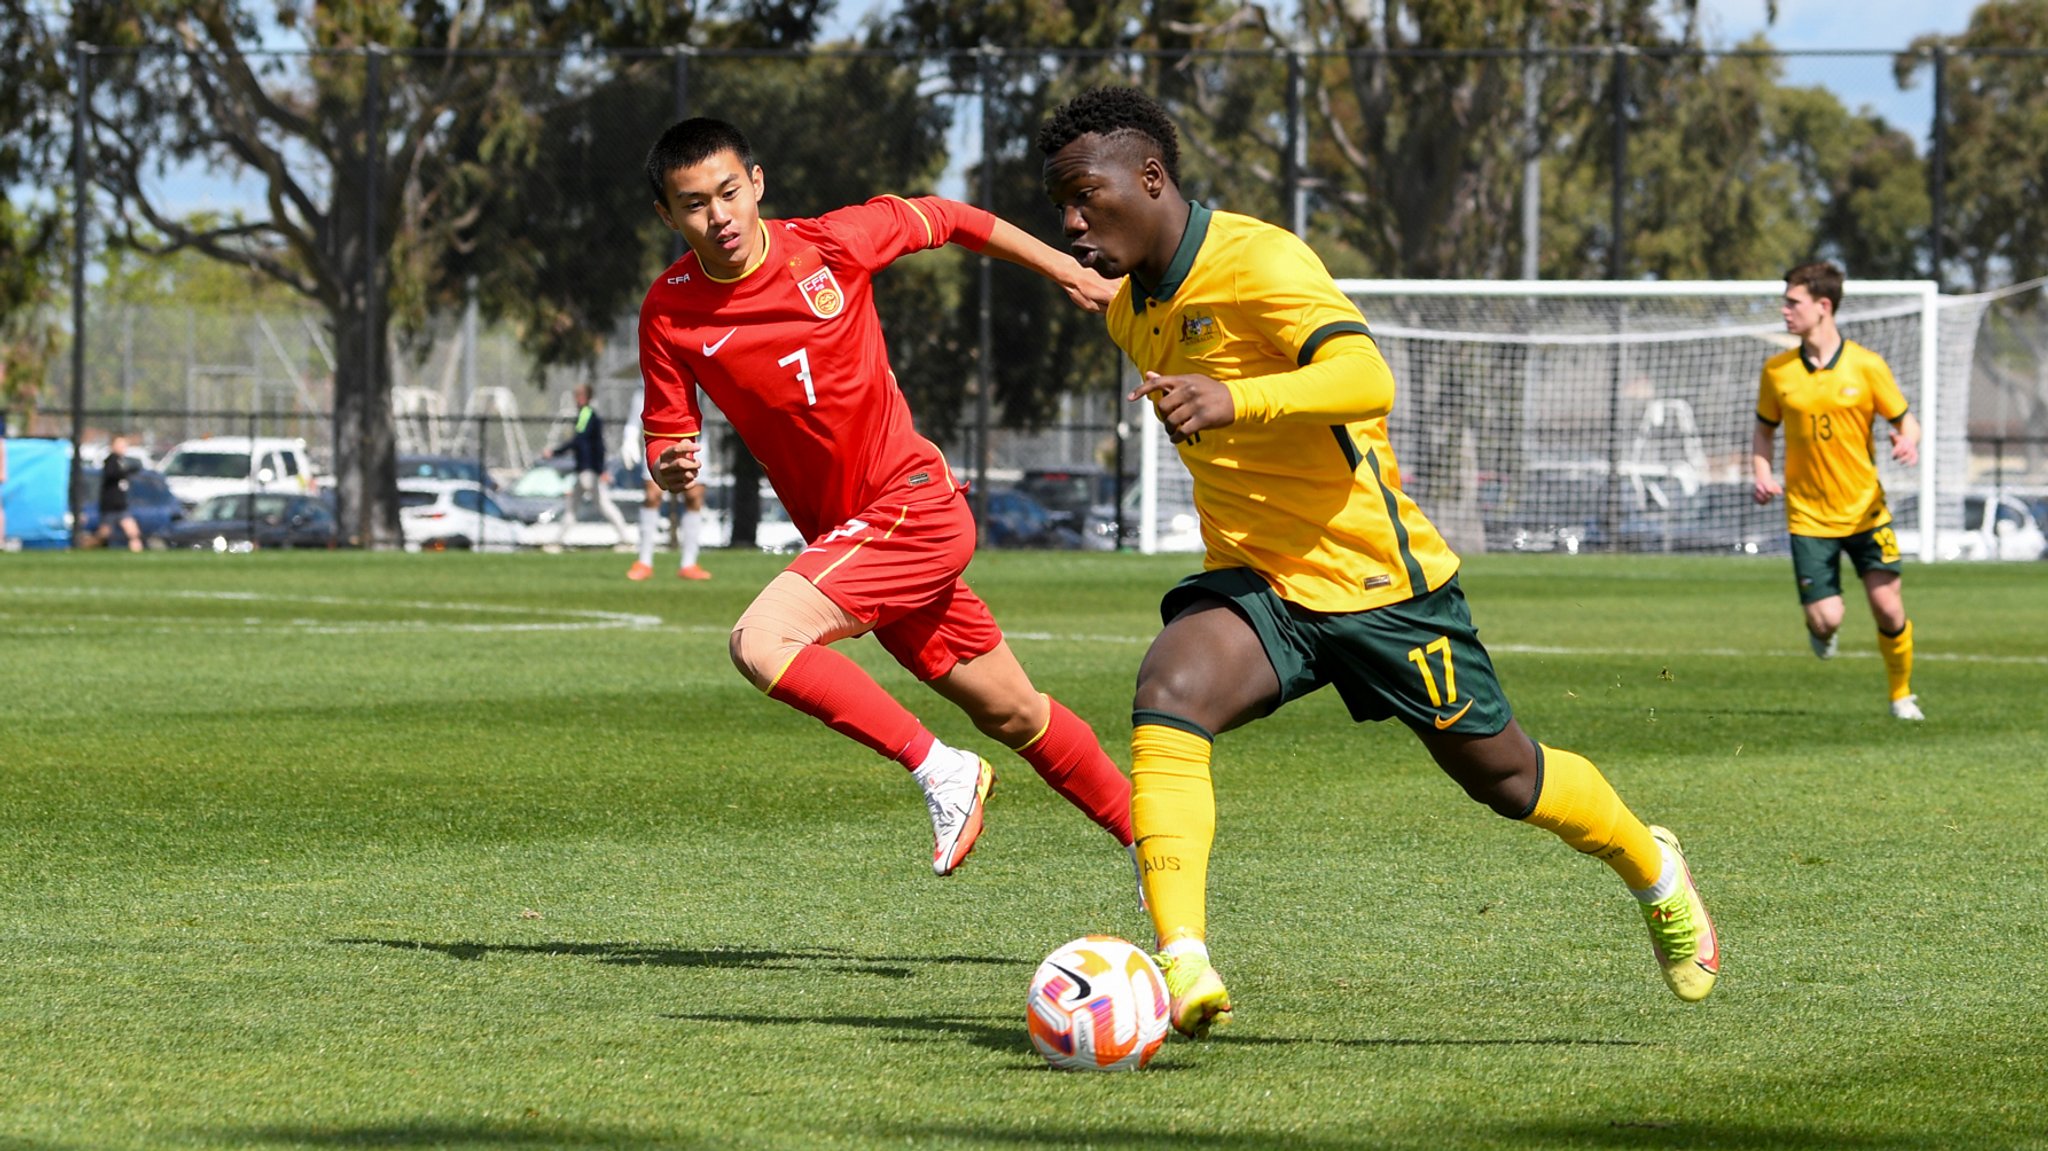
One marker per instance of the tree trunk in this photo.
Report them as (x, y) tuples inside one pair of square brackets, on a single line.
[(365, 441)]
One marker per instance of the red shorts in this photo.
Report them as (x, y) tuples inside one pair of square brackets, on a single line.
[(897, 568)]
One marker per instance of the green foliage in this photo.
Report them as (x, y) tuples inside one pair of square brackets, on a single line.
[(313, 851), (31, 222), (1734, 176), (1996, 228)]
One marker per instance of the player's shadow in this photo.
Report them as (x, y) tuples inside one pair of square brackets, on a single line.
[(1006, 1037), (828, 959), (1618, 1135)]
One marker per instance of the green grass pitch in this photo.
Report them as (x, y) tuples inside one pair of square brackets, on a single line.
[(319, 851)]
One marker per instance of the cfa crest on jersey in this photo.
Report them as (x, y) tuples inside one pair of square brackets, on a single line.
[(821, 292), (815, 282)]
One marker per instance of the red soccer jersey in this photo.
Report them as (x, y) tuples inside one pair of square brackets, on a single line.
[(792, 353)]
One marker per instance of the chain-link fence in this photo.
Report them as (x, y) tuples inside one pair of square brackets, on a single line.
[(422, 253)]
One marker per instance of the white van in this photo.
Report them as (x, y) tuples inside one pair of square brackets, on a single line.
[(216, 465)]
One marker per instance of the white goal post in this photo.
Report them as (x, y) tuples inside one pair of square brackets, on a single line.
[(1617, 414)]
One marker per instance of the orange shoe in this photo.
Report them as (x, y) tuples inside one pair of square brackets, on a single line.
[(692, 572), (640, 571)]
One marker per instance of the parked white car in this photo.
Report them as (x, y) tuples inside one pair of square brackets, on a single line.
[(2008, 532), (197, 470), (447, 515)]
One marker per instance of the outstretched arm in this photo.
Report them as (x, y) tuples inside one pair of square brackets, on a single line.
[(1085, 288)]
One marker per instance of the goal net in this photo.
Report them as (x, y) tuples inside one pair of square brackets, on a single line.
[(1616, 416)]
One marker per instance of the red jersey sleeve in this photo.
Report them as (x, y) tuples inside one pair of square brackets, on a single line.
[(877, 233), (669, 410)]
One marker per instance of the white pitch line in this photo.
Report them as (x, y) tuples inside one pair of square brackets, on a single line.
[(587, 620), (577, 619)]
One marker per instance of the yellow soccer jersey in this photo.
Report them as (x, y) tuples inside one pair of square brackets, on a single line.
[(1831, 487), (1314, 505)]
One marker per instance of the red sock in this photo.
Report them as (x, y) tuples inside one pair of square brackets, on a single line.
[(1069, 757), (830, 687)]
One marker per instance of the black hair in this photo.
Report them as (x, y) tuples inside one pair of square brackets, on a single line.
[(691, 142), (1113, 113)]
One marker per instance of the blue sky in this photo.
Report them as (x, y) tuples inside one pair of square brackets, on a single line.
[(1862, 81)]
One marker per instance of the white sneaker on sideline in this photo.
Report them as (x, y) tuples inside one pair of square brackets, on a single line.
[(1907, 707)]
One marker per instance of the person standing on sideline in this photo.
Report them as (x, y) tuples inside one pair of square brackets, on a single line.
[(690, 524), (1320, 570), (775, 320), (586, 446), (115, 473), (1827, 393)]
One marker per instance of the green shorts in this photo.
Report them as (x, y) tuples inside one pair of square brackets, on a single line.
[(1419, 661), (1817, 561)]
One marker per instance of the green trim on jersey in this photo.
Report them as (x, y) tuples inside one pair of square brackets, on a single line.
[(1349, 446), (1183, 261), (1415, 577), (1321, 336)]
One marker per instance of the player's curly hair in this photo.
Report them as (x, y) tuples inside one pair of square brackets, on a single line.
[(1112, 112), (691, 142)]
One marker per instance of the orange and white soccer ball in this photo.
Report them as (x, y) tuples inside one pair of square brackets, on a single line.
[(1097, 1004)]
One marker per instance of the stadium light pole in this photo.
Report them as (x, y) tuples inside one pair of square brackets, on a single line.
[(1294, 166), (1532, 161), (1617, 251), (81, 219), (1937, 199), (985, 372)]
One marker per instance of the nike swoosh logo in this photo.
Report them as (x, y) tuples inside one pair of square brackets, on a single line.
[(1082, 988), (1443, 722), (712, 349)]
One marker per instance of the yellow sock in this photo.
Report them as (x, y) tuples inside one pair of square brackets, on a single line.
[(1898, 659), (1580, 805), (1173, 822)]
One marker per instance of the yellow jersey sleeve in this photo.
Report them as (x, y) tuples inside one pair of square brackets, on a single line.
[(1769, 408)]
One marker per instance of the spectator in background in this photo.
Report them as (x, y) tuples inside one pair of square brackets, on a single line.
[(586, 445), (3, 483), (690, 524), (115, 472)]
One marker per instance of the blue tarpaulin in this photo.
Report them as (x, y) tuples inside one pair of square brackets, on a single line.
[(37, 492)]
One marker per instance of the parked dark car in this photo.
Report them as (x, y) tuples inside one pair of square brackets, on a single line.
[(431, 467), (1015, 520), (538, 491), (150, 501), (1722, 517), (1081, 498), (277, 520)]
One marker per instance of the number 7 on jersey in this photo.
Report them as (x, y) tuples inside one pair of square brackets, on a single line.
[(802, 359)]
